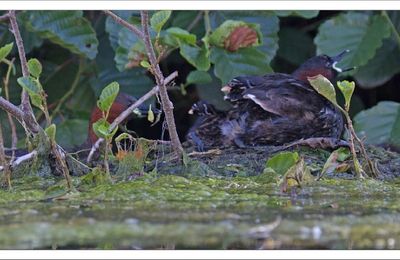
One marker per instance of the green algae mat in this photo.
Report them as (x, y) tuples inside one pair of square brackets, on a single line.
[(211, 204)]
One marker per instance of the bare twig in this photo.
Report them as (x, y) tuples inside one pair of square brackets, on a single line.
[(4, 17), (124, 23), (14, 137), (195, 21), (166, 103), (128, 112), (28, 116), (12, 109), (21, 159)]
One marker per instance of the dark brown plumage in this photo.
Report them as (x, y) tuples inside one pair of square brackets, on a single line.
[(276, 108)]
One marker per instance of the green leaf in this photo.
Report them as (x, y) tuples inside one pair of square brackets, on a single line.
[(300, 13), (360, 33), (381, 68), (269, 27), (220, 35), (245, 61), (34, 67), (145, 64), (51, 132), (5, 50), (198, 77), (33, 88), (324, 87), (281, 162), (72, 132), (297, 175), (379, 124), (331, 164), (129, 49), (158, 20), (100, 128), (174, 36), (113, 28), (66, 28), (347, 89), (196, 56), (150, 115), (107, 96)]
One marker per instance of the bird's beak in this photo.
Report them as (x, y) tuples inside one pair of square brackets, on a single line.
[(338, 58)]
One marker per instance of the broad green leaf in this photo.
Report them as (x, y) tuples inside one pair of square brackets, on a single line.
[(381, 68), (301, 13), (174, 35), (245, 61), (360, 33), (347, 89), (5, 50), (130, 49), (324, 87), (220, 35), (158, 20), (66, 28), (269, 27), (72, 132), (33, 88), (198, 77), (196, 56), (379, 124), (107, 96), (281, 162), (35, 68), (51, 132), (100, 128), (113, 28)]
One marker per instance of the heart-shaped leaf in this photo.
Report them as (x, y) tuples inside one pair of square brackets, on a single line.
[(379, 124), (33, 88), (198, 77), (158, 20), (347, 89), (66, 28), (324, 87), (107, 96), (196, 56), (281, 162), (34, 67), (245, 61), (174, 35), (360, 33), (5, 50)]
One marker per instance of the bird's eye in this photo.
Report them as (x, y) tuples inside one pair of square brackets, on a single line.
[(328, 64)]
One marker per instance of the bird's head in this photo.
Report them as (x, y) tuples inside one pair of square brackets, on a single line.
[(321, 64)]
